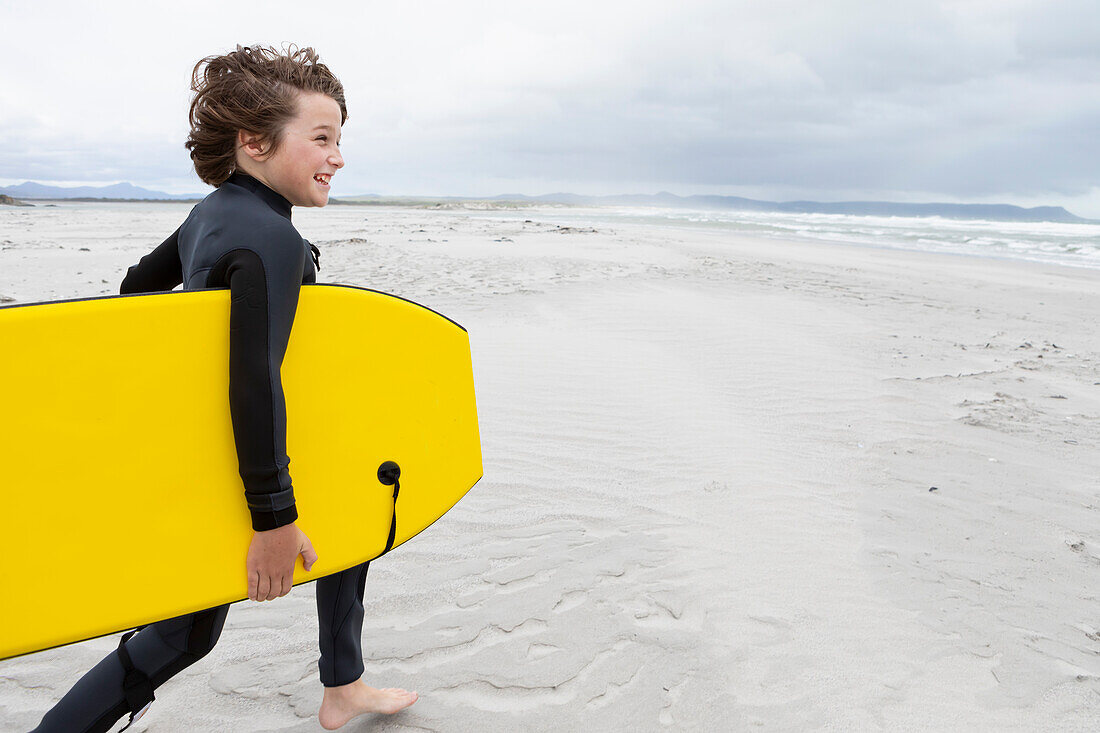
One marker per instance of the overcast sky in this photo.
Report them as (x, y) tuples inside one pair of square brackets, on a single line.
[(976, 100)]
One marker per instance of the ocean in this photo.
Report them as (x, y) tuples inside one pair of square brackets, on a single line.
[(1076, 245)]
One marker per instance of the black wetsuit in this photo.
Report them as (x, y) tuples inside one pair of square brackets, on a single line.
[(239, 237)]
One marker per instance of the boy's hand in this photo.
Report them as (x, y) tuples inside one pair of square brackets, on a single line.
[(271, 558)]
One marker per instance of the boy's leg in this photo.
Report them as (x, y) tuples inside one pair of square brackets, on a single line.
[(340, 621), (340, 618), (161, 650)]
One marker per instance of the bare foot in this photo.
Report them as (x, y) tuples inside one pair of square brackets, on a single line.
[(343, 703)]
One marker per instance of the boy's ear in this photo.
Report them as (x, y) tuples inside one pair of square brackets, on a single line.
[(251, 144)]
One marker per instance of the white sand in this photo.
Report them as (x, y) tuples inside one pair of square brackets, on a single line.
[(706, 499)]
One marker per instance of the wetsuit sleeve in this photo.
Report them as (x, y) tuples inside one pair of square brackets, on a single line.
[(156, 271), (264, 296)]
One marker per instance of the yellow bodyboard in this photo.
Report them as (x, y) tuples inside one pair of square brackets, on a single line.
[(119, 473)]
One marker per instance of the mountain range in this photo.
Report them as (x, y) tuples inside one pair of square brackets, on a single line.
[(994, 212), (32, 190)]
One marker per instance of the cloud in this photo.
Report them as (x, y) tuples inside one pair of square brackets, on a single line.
[(971, 98)]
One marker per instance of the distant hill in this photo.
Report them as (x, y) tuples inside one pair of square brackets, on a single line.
[(128, 191), (992, 212)]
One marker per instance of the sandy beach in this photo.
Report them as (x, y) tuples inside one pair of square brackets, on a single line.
[(730, 484)]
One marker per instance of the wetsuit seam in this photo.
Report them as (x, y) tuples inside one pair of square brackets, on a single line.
[(337, 629), (332, 626), (343, 619)]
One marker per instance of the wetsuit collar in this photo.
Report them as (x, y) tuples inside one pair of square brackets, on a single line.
[(272, 199)]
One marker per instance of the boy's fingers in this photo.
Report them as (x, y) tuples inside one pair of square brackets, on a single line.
[(308, 557), (263, 590)]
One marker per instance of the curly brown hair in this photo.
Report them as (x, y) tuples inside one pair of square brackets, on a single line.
[(254, 88)]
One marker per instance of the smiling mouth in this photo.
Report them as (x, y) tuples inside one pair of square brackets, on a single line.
[(322, 178)]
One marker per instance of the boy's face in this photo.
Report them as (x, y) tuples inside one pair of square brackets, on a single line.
[(308, 155)]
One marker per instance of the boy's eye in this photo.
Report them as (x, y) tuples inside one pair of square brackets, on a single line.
[(322, 137)]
